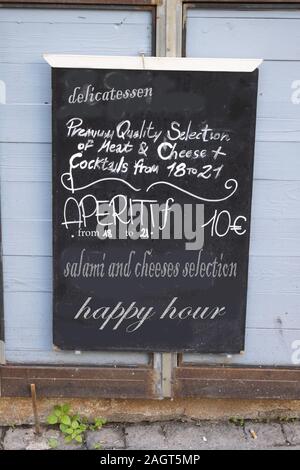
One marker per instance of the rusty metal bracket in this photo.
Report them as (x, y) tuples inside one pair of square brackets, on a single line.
[(35, 409)]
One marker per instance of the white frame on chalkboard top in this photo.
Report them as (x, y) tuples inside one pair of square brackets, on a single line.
[(151, 63)]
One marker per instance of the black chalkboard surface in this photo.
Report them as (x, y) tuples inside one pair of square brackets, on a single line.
[(152, 181)]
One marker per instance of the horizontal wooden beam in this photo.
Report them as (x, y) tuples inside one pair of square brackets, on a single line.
[(144, 2), (236, 382), (84, 2), (84, 382), (123, 382), (229, 3)]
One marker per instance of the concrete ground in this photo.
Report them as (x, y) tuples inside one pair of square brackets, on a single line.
[(174, 435)]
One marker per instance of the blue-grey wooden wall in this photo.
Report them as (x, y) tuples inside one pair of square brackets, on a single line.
[(25, 148), (273, 316), (273, 309)]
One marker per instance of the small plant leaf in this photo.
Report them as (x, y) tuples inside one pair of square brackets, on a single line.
[(72, 426), (53, 443), (99, 422), (57, 411), (65, 419), (52, 419), (97, 446), (66, 408), (63, 427)]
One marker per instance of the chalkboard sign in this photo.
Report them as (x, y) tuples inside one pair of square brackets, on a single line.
[(152, 181)]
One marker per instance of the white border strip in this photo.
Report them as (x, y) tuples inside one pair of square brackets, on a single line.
[(151, 63), (2, 354)]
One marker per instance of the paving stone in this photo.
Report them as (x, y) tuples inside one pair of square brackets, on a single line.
[(205, 435), (292, 432), (1, 434), (287, 448), (268, 435), (25, 439), (145, 436), (165, 436), (108, 437), (62, 445)]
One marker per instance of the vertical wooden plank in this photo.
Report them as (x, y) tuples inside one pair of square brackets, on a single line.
[(173, 38), (167, 372), (173, 28)]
